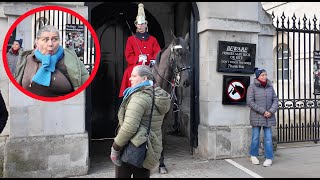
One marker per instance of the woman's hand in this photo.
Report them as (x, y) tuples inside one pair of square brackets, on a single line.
[(115, 156), (267, 114)]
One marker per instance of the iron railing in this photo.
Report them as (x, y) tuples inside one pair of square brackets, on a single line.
[(59, 19), (296, 41)]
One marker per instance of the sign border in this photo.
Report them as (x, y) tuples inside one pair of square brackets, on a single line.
[(316, 59), (229, 70), (242, 101)]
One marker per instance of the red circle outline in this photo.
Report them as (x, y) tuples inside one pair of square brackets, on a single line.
[(59, 8), (244, 90)]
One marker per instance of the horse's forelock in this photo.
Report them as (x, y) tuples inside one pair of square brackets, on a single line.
[(165, 52), (164, 64), (180, 41)]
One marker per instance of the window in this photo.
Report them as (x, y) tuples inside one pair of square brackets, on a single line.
[(11, 39), (284, 56)]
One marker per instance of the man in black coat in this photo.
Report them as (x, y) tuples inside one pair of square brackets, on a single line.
[(3, 114)]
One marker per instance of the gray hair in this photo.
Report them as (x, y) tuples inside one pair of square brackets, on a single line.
[(47, 28), (144, 70)]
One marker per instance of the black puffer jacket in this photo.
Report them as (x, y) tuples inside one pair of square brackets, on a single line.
[(3, 114)]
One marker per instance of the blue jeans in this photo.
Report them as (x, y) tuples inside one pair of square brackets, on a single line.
[(268, 148)]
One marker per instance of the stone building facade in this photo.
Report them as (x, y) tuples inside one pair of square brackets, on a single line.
[(49, 139)]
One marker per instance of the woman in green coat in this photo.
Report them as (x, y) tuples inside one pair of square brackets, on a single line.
[(133, 118), (50, 70)]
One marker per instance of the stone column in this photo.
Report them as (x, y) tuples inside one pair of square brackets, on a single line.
[(4, 86), (46, 139), (224, 130)]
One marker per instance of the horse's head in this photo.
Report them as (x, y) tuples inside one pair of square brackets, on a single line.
[(180, 57)]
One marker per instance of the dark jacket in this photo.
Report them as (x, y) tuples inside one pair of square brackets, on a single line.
[(3, 114), (12, 59), (261, 99), (76, 70)]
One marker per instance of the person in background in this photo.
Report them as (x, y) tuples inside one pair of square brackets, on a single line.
[(140, 48), (13, 53), (134, 117), (3, 113), (49, 69), (263, 103)]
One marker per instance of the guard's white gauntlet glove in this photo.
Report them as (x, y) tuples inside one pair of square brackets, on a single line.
[(143, 58)]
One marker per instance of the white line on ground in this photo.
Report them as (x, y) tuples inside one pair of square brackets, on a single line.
[(243, 169)]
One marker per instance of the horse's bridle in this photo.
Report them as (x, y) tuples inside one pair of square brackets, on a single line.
[(176, 70)]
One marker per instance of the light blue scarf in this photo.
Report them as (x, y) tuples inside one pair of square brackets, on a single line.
[(130, 90), (43, 75)]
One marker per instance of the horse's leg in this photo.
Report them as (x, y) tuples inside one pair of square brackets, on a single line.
[(164, 128), (162, 160), (162, 166), (176, 125)]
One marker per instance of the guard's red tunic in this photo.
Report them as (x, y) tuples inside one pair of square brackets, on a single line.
[(149, 46)]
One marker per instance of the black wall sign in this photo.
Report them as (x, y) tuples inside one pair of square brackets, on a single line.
[(316, 72), (236, 57), (235, 89)]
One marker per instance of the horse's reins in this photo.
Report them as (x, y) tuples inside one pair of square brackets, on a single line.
[(176, 71)]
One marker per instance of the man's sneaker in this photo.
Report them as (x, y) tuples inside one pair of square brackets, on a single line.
[(267, 162), (254, 160)]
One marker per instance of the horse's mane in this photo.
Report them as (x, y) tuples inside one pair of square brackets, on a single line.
[(158, 56), (179, 41)]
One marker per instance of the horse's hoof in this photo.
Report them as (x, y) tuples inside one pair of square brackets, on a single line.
[(163, 170)]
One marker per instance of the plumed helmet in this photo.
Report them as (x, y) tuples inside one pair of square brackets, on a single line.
[(141, 17)]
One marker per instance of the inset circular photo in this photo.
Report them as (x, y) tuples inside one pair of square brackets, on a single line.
[(51, 53)]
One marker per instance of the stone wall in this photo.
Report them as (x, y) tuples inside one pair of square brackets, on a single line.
[(46, 156), (41, 139), (224, 130)]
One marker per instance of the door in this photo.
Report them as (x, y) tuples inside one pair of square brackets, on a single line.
[(110, 23), (106, 84)]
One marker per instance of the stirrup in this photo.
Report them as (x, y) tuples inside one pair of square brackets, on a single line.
[(163, 170)]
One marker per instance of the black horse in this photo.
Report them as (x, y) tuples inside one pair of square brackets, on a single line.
[(172, 69)]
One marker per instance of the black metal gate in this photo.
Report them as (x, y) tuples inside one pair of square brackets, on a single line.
[(60, 19), (297, 86)]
